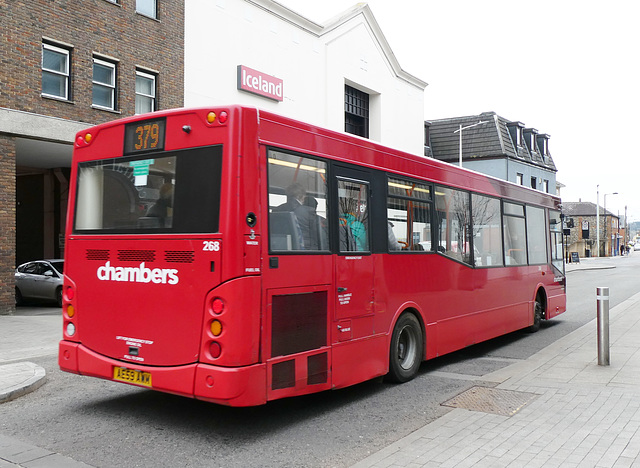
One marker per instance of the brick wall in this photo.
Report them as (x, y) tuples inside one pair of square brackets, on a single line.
[(577, 243), (88, 28), (7, 223)]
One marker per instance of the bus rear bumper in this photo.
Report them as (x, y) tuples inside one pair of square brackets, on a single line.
[(238, 386)]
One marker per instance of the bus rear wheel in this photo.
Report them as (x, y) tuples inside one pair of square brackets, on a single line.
[(405, 354), (537, 317)]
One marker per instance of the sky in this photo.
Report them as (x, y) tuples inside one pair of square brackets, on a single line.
[(567, 68)]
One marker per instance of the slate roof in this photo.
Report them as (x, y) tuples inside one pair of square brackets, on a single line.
[(489, 140), (583, 209)]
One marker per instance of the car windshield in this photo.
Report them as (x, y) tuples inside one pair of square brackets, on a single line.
[(58, 265)]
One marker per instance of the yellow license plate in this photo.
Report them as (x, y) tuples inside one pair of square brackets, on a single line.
[(132, 376)]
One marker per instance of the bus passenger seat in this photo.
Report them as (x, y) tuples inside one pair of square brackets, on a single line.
[(283, 229)]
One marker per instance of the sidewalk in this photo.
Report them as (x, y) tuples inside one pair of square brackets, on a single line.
[(595, 263), (557, 408), (26, 337)]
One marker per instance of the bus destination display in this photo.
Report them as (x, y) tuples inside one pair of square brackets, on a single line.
[(140, 137)]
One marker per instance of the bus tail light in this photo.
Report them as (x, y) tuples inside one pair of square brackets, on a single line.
[(217, 306), (216, 328), (69, 310)]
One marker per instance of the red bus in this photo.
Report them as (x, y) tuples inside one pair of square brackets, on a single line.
[(236, 256)]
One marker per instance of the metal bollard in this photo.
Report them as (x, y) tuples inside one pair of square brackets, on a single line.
[(602, 297)]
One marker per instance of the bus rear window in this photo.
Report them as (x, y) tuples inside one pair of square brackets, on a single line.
[(169, 192)]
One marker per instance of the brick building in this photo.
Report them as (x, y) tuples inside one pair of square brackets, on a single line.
[(581, 222), (66, 65)]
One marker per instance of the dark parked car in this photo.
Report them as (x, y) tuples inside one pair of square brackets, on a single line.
[(40, 279)]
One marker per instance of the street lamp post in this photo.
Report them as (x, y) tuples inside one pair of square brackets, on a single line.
[(605, 222), (598, 220), (460, 133)]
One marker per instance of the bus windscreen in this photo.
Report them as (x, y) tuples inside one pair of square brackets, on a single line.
[(168, 192)]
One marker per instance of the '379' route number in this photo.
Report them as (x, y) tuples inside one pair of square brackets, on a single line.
[(211, 246)]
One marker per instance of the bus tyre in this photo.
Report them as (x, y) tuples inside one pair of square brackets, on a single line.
[(405, 353), (537, 317)]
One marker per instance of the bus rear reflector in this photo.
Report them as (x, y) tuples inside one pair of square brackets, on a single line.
[(215, 349)]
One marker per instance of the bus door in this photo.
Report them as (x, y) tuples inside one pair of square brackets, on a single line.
[(354, 263)]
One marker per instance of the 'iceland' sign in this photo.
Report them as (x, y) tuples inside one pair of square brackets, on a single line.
[(256, 82)]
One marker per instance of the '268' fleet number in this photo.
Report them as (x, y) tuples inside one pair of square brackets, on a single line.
[(211, 246)]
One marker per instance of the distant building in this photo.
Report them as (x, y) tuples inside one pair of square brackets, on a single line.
[(580, 220), (495, 146)]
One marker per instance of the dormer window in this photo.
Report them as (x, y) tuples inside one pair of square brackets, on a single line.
[(516, 129), (543, 144)]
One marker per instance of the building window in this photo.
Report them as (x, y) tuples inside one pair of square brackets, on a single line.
[(356, 112), (104, 84), (545, 186), (145, 92), (519, 178), (532, 142), (147, 7), (55, 71), (534, 184)]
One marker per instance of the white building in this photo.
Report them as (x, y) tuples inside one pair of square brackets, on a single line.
[(316, 69)]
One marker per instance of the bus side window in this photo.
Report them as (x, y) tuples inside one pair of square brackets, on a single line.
[(298, 203), (487, 231), (453, 218), (408, 215), (354, 216)]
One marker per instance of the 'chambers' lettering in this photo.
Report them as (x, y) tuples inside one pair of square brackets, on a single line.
[(139, 274)]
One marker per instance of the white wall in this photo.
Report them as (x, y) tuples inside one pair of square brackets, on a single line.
[(315, 62)]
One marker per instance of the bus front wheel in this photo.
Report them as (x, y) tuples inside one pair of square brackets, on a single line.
[(405, 353)]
